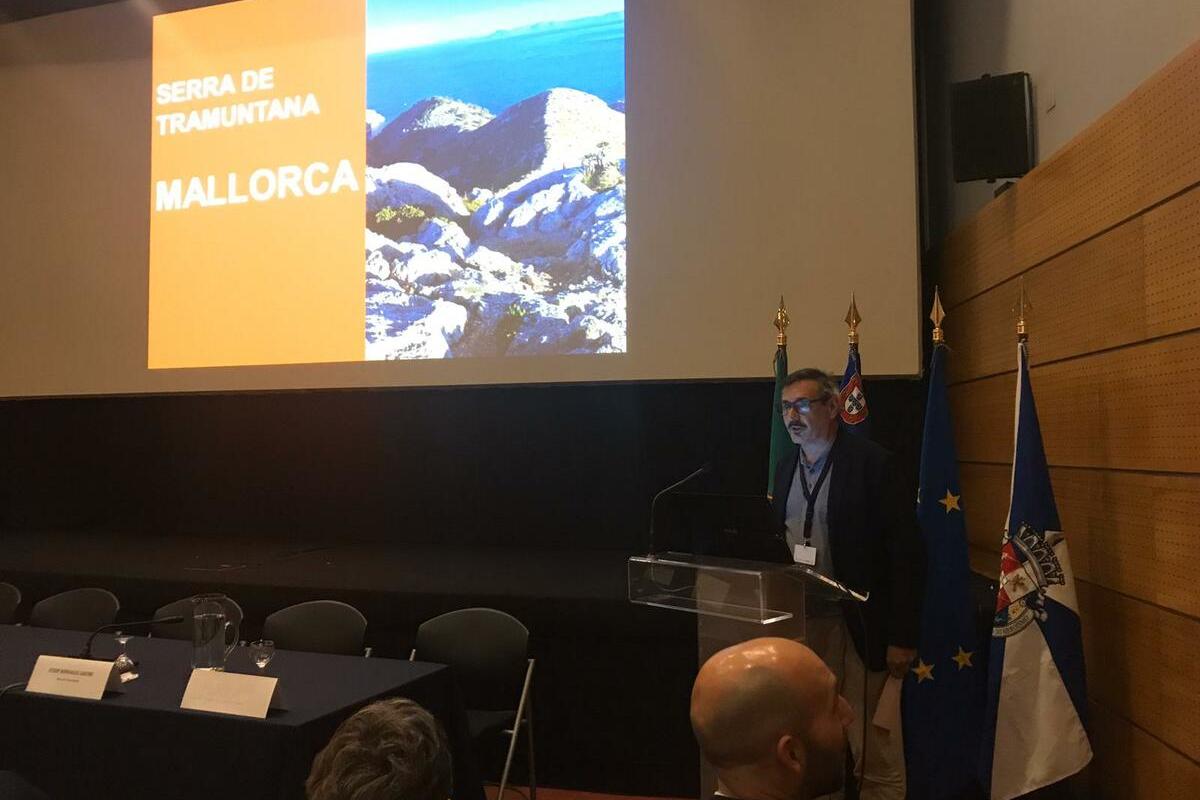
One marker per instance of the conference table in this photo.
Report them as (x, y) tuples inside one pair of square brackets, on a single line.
[(138, 743)]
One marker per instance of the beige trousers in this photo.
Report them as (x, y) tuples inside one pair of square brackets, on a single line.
[(882, 774)]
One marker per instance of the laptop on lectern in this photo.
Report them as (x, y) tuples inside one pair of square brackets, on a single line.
[(725, 525)]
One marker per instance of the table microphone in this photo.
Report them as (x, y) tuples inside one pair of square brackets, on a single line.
[(87, 648), (705, 467)]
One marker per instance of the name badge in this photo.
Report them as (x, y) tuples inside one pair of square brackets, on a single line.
[(803, 554), (229, 693), (83, 678)]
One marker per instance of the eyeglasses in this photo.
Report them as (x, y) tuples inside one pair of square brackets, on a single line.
[(801, 406)]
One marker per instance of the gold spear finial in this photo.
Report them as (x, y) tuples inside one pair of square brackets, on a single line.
[(937, 315), (1021, 307), (782, 320), (853, 319)]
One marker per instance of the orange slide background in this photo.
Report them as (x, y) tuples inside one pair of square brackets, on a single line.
[(275, 282)]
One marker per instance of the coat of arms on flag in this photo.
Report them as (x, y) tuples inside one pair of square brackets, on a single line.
[(854, 402), (1025, 578)]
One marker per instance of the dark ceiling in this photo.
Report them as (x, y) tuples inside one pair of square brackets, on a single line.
[(11, 10)]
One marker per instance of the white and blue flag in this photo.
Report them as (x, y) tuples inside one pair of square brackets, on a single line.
[(1034, 732)]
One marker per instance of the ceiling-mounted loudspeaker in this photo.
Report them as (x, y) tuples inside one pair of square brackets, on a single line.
[(991, 121)]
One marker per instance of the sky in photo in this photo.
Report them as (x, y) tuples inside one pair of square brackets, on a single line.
[(402, 24)]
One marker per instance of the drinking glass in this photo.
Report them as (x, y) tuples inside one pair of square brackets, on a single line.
[(123, 662), (261, 653)]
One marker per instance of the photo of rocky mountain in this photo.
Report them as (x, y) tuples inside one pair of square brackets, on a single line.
[(495, 222)]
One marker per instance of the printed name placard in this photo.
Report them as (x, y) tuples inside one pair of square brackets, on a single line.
[(84, 678), (229, 693)]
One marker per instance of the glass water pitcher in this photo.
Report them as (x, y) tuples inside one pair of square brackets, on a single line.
[(210, 631)]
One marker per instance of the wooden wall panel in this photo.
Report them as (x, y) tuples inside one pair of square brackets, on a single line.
[(1107, 239), (985, 489), (1129, 763), (1132, 532), (1133, 408), (1141, 152), (983, 560), (983, 416), (1138, 281), (1144, 664)]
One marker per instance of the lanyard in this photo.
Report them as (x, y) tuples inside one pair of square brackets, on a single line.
[(810, 495)]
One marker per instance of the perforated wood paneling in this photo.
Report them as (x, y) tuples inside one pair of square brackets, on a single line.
[(1141, 152), (984, 561), (1131, 763), (1134, 408), (1144, 664), (985, 489), (1137, 281), (1132, 532), (983, 417)]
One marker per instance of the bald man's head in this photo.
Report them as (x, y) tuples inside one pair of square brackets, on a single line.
[(770, 707)]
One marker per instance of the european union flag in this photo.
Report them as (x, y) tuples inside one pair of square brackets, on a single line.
[(1034, 732), (852, 397), (944, 692)]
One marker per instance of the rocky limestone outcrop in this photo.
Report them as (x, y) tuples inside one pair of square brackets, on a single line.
[(375, 122), (519, 250), (424, 130), (411, 184), (549, 131)]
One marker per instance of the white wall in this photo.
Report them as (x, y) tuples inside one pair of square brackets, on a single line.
[(1084, 56)]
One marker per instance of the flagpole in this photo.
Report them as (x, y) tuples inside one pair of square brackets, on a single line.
[(937, 314), (1022, 305), (852, 320), (782, 320), (779, 440)]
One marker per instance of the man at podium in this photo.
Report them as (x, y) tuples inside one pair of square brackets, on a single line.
[(845, 512)]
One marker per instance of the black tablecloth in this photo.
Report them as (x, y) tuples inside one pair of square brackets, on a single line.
[(139, 743)]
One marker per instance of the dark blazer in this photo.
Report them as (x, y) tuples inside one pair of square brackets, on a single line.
[(876, 543)]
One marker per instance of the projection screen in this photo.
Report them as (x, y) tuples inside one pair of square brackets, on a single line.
[(279, 194)]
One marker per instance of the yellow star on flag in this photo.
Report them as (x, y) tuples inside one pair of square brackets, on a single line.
[(923, 671), (963, 659), (950, 501)]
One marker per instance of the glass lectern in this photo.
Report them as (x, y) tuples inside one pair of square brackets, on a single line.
[(734, 600)]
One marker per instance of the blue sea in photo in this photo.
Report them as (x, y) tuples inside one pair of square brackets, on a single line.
[(502, 69)]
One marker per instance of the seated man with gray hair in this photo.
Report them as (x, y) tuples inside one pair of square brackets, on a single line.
[(769, 719), (390, 750)]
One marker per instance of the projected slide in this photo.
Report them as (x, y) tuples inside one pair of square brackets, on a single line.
[(488, 181)]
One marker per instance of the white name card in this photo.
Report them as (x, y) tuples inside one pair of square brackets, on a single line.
[(73, 677), (229, 693)]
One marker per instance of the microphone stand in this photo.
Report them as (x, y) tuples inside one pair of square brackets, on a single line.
[(654, 503), (87, 648)]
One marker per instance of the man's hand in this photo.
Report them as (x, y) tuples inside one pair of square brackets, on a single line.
[(899, 659)]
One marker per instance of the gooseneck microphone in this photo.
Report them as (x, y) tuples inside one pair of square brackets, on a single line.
[(705, 467), (87, 648)]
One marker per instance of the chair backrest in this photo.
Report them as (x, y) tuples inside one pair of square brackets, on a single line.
[(14, 787), (183, 607), (485, 648), (318, 626), (10, 598), (77, 610)]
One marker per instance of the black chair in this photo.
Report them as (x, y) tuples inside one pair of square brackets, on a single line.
[(10, 599), (76, 610), (318, 626), (183, 608), (487, 650), (14, 787)]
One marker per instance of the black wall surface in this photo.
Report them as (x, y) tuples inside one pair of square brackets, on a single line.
[(557, 466)]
